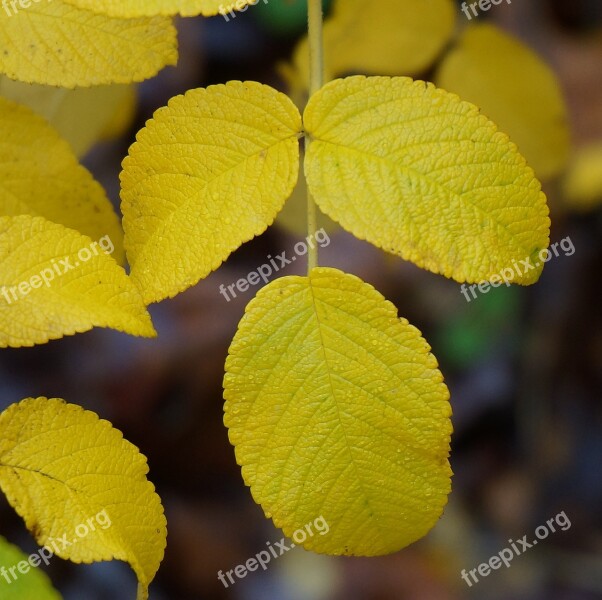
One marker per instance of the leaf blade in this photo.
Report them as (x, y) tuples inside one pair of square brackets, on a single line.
[(40, 176), (58, 489), (54, 43), (421, 174), (149, 8), (208, 173), (407, 42), (514, 88), (67, 110), (84, 290), (334, 406)]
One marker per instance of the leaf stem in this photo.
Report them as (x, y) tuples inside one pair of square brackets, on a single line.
[(316, 81)]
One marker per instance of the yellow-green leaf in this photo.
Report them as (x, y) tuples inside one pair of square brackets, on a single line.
[(582, 185), (55, 281), (421, 174), (186, 8), (389, 37), (74, 478), (40, 176), (337, 409), (209, 172), (81, 116), (55, 43), (31, 585), (514, 88)]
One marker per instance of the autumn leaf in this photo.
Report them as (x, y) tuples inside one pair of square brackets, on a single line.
[(336, 408), (40, 176), (421, 174), (55, 281), (66, 472), (149, 8), (81, 116), (514, 88), (209, 172), (389, 37), (55, 43)]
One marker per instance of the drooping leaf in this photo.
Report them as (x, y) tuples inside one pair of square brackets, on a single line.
[(80, 116), (149, 8), (389, 37), (40, 176), (55, 281), (514, 88), (336, 409), (582, 185), (74, 478), (31, 585), (55, 43), (421, 174), (209, 172)]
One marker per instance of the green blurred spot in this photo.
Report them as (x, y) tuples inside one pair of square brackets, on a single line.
[(477, 332), (284, 17)]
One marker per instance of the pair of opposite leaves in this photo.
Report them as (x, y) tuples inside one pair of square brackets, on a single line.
[(487, 67)]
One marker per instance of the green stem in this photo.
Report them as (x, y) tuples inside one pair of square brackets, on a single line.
[(316, 81), (316, 48)]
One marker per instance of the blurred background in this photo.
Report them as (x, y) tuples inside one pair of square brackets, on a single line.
[(523, 364)]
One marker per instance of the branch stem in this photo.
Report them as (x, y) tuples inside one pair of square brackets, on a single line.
[(316, 81)]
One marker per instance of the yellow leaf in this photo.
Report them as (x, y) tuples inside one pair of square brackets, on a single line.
[(421, 174), (40, 176), (31, 585), (336, 409), (186, 8), (582, 185), (57, 44), (80, 116), (209, 172), (514, 88), (55, 282), (389, 37), (73, 478)]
